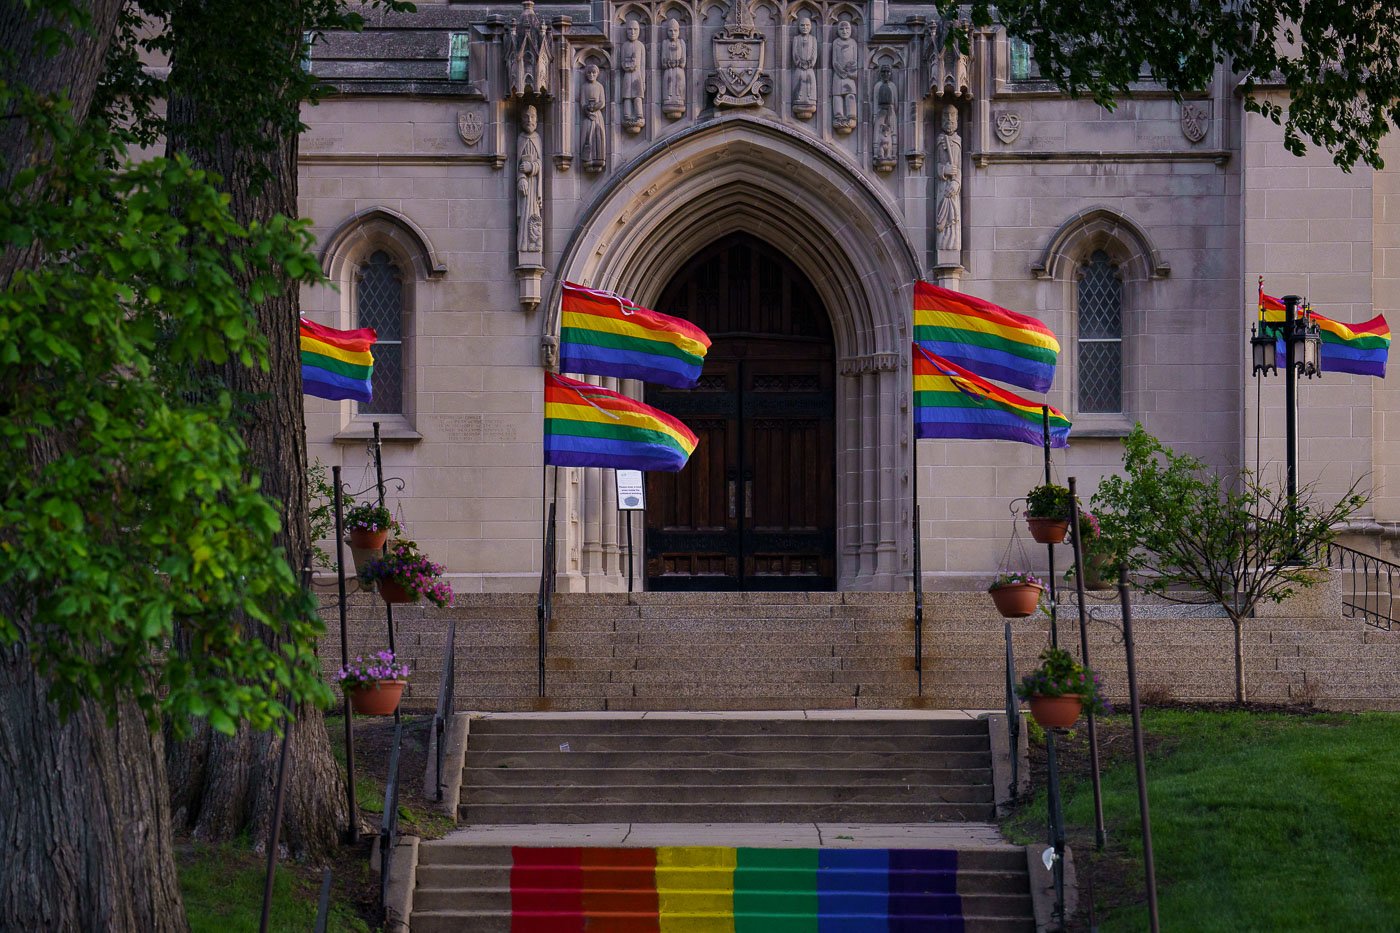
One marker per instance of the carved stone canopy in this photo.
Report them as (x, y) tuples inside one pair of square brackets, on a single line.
[(950, 71), (529, 54)]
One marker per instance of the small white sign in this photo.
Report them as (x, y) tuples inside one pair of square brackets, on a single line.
[(631, 490)]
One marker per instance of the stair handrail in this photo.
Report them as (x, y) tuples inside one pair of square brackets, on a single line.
[(918, 604), (389, 824), (544, 608), (1013, 716), (1362, 568), (447, 689)]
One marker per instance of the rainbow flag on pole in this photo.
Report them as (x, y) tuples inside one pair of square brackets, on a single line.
[(1360, 349), (337, 364), (988, 340), (950, 401), (603, 334), (588, 426)]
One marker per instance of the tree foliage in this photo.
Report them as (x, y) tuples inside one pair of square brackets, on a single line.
[(1184, 530), (124, 498), (1339, 60)]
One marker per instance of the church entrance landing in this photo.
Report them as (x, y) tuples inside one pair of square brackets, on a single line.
[(755, 509)]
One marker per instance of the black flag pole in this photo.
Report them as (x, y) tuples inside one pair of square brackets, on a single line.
[(1050, 548)]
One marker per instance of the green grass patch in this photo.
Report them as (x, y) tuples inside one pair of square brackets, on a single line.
[(1260, 821), (223, 888)]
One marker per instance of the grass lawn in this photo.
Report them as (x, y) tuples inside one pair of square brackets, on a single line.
[(1260, 821), (223, 888)]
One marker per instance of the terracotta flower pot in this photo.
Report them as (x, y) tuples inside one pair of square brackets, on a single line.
[(1048, 530), (394, 592), (1055, 712), (1094, 573), (368, 539), (1016, 600), (378, 699)]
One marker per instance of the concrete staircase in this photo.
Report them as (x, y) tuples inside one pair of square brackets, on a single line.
[(698, 770), (500, 889)]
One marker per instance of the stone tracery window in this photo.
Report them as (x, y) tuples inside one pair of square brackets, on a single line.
[(1100, 335), (379, 304)]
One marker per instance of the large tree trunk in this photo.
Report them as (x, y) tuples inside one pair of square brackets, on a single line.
[(223, 786), (1238, 623), (84, 821)]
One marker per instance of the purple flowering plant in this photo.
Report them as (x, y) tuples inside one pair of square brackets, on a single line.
[(1012, 577), (1060, 675), (369, 518), (363, 674), (408, 567)]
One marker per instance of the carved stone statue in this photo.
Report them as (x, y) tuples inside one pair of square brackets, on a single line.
[(528, 53), (529, 185), (633, 56), (845, 64), (673, 71), (593, 138), (886, 121), (948, 218), (804, 63)]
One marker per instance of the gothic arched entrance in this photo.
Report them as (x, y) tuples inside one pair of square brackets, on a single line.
[(755, 509)]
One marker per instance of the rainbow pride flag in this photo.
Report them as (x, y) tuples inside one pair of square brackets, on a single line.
[(603, 334), (1360, 349), (950, 401), (699, 889), (588, 426), (337, 364), (989, 340)]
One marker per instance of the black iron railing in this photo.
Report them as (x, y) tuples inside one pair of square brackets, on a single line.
[(1368, 585), (389, 824), (544, 609), (323, 904), (1013, 717), (447, 689), (918, 603)]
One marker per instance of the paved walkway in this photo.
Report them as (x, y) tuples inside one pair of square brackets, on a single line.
[(767, 835), (814, 714)]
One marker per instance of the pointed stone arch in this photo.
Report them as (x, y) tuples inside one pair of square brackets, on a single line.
[(745, 174), (1099, 227), (380, 226)]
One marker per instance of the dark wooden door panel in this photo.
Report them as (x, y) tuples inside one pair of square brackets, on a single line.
[(755, 507)]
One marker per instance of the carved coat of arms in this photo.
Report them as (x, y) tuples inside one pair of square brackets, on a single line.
[(470, 126), (1008, 126), (739, 80), (1195, 118)]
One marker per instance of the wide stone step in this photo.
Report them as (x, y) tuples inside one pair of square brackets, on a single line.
[(656, 744), (675, 792), (723, 777), (790, 811), (792, 724), (446, 852), (501, 922), (722, 759)]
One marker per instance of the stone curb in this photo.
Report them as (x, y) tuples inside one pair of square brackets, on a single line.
[(403, 878), (1042, 882)]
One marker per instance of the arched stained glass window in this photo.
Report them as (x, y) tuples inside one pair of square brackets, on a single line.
[(379, 304), (1100, 335)]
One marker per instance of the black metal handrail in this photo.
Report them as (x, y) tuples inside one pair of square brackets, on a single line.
[(389, 824), (447, 689), (1372, 589), (1013, 717), (544, 609), (323, 904), (918, 603)]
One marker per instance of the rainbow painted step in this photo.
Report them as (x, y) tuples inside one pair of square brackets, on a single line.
[(700, 889)]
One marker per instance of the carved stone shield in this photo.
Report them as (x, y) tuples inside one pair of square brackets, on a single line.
[(1195, 118), (1008, 126), (470, 126), (739, 64)]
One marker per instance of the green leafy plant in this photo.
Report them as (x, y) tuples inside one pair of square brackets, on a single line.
[(1059, 675), (369, 517), (1048, 501), (408, 567), (1185, 531), (322, 513)]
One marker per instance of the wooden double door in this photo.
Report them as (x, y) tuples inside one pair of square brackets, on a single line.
[(755, 508)]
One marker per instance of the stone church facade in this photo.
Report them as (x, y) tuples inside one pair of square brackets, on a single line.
[(781, 173)]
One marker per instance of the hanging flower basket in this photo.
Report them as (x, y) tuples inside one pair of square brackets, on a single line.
[(405, 575), (394, 592), (1048, 530), (368, 540), (1094, 577), (1016, 595), (1055, 712), (374, 686), (369, 526)]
